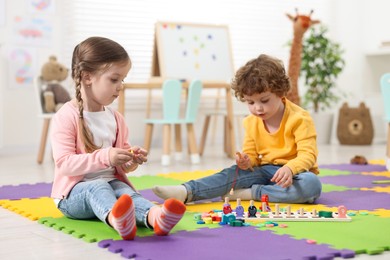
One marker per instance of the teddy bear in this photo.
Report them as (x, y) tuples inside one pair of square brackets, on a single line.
[(54, 95)]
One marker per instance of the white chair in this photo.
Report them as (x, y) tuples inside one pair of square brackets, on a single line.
[(172, 97), (385, 88), (38, 87)]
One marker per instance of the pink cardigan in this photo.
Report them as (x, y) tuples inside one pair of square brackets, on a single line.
[(71, 160)]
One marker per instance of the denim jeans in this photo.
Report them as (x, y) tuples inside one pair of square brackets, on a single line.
[(91, 199), (306, 187)]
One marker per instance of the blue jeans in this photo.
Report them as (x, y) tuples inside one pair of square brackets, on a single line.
[(91, 199), (306, 187)]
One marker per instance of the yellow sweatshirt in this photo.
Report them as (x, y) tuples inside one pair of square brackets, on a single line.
[(293, 144)]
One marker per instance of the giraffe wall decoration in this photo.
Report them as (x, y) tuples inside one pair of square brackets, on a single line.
[(301, 23)]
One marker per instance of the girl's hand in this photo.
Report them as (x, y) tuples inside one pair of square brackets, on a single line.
[(283, 177), (243, 162), (139, 155), (119, 156)]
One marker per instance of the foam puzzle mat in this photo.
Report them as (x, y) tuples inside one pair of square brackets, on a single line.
[(343, 184)]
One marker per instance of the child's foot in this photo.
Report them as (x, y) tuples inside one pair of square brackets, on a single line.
[(178, 192), (123, 217), (166, 217), (243, 194)]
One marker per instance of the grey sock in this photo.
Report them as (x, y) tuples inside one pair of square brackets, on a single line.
[(165, 192)]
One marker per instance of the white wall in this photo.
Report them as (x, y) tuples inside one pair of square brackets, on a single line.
[(19, 126), (358, 25)]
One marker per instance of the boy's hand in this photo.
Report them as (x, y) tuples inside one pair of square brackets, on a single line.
[(283, 177), (243, 162)]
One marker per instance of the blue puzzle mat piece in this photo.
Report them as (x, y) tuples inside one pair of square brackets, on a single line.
[(223, 243)]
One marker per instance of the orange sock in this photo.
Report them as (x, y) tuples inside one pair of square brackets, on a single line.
[(123, 219), (166, 217)]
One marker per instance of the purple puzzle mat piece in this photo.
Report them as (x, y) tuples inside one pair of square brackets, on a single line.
[(226, 242), (355, 167), (148, 194), (355, 181), (356, 199), (31, 191)]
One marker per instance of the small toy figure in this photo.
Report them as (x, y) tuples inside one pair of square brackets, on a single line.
[(239, 210), (342, 211), (252, 210), (226, 207), (265, 201)]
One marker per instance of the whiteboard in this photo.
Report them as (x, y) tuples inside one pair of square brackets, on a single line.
[(188, 51)]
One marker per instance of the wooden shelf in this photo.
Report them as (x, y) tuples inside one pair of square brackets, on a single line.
[(382, 51)]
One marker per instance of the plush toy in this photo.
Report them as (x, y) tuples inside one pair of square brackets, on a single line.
[(355, 125), (54, 95), (301, 24)]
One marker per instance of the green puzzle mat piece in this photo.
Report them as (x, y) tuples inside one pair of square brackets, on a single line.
[(147, 182), (95, 230), (88, 230), (365, 234), (331, 172), (331, 187)]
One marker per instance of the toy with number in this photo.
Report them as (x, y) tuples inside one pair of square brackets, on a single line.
[(265, 203), (322, 216)]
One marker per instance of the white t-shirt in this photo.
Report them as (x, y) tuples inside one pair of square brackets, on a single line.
[(102, 125)]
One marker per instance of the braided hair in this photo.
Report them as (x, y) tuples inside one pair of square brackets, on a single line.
[(93, 55)]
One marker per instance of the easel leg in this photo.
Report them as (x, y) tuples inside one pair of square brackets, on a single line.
[(148, 137), (204, 134), (230, 122)]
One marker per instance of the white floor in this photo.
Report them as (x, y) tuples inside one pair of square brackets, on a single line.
[(21, 238)]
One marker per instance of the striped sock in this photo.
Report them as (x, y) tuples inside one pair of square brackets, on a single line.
[(166, 217), (123, 219)]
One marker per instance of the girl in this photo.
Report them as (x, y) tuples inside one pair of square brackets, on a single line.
[(279, 151), (91, 151)]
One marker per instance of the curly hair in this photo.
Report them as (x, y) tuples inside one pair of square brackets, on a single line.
[(265, 73)]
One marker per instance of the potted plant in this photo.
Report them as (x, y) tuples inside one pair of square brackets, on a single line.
[(322, 63)]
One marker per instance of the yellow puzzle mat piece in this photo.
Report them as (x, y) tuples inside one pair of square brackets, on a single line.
[(384, 213), (378, 189), (377, 161), (383, 174), (33, 208)]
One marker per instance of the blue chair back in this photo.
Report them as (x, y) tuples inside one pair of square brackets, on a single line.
[(172, 91), (385, 87), (193, 101)]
